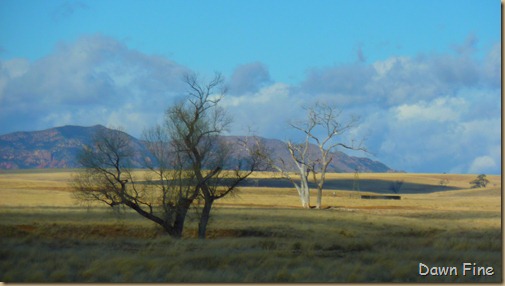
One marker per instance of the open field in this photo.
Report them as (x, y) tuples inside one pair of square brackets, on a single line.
[(259, 235)]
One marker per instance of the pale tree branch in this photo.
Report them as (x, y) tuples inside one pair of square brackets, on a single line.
[(324, 128)]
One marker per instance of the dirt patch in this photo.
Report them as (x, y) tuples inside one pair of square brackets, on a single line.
[(17, 230), (26, 228), (229, 233), (355, 208), (386, 207), (257, 206), (76, 231)]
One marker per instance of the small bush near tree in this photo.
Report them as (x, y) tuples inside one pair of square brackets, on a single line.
[(480, 182), (444, 182)]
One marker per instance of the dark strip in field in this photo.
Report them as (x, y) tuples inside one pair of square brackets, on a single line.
[(367, 197), (366, 185)]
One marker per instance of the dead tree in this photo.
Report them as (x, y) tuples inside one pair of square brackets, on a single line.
[(300, 156), (195, 126), (323, 128), (106, 177), (189, 162)]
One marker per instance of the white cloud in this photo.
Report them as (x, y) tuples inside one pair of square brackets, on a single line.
[(382, 68), (491, 68), (441, 135), (60, 118), (274, 92), (482, 165), (266, 112), (439, 109), (430, 113), (9, 70), (79, 80), (15, 67), (249, 78)]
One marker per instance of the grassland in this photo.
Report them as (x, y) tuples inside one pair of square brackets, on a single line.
[(259, 235)]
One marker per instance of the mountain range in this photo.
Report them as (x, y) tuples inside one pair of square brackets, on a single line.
[(57, 148)]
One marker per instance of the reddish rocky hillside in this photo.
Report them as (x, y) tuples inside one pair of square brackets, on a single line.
[(51, 148), (58, 147)]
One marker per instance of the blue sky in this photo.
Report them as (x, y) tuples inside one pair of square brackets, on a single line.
[(420, 74), (289, 36)]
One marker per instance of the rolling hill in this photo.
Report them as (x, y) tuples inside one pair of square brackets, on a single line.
[(57, 148)]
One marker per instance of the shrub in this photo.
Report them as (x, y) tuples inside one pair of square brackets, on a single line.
[(480, 182)]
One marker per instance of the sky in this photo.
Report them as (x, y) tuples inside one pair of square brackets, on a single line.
[(424, 77)]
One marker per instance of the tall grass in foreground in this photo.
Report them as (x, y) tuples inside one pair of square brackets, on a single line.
[(244, 245)]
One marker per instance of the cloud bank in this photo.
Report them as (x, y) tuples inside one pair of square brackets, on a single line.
[(426, 113), (93, 80)]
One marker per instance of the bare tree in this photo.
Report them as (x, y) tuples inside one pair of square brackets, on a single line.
[(322, 127), (300, 156), (106, 177), (169, 177), (195, 125), (225, 182), (189, 162)]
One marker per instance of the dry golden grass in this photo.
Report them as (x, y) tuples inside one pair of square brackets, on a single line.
[(29, 189), (52, 188), (258, 235)]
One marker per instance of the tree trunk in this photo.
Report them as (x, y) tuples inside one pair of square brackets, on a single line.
[(204, 218), (305, 189), (169, 229), (179, 223), (303, 193), (163, 223), (305, 202), (319, 197), (180, 215)]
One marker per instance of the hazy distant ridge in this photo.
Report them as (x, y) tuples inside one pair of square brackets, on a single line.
[(57, 148)]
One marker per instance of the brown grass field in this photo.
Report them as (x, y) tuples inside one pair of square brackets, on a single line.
[(261, 234)]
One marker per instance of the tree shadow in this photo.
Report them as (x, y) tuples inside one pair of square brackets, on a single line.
[(365, 185)]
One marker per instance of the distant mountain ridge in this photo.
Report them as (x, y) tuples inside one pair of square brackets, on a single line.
[(340, 163), (57, 148)]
